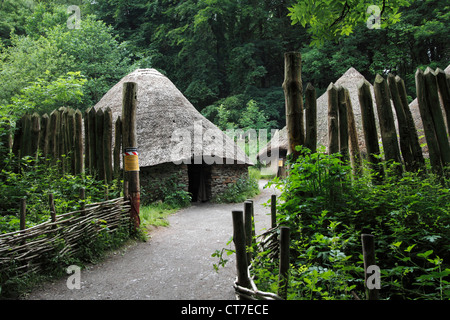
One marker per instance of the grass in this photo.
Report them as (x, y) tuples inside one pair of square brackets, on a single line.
[(156, 214)]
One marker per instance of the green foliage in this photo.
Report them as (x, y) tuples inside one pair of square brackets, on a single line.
[(44, 96), (34, 181), (327, 210), (330, 19), (49, 48), (155, 214)]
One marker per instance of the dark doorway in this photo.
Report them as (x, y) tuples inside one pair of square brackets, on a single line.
[(199, 182)]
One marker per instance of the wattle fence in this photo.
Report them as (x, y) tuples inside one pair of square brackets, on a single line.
[(64, 236)]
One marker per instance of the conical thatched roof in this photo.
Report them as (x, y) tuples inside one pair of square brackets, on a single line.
[(279, 142), (349, 80), (169, 128)]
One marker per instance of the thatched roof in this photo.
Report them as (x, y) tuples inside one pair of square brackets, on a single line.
[(279, 142), (169, 128), (349, 80)]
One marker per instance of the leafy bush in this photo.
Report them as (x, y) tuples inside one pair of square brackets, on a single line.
[(327, 210), (34, 181)]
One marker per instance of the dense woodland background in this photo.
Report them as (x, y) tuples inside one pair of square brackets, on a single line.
[(226, 56)]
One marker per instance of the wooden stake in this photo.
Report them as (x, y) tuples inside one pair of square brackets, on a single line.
[(78, 143), (444, 91), (117, 146), (438, 119), (293, 91), (93, 154), (249, 227), (368, 249), (44, 135), (241, 254), (107, 145), (129, 108), (35, 130), (99, 146), (23, 212), (387, 124), (403, 128), (283, 276), (428, 125), (51, 204), (333, 119), (311, 118), (273, 210), (355, 154), (369, 127), (343, 124), (419, 161)]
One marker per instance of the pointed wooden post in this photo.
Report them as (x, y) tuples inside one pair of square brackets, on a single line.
[(436, 112), (78, 143), (343, 124), (333, 119), (283, 276), (428, 125), (419, 161), (444, 91), (107, 145), (131, 174), (239, 244), (249, 227), (117, 146), (368, 249), (355, 154), (93, 154), (311, 118), (387, 124), (370, 128), (403, 128), (293, 91)]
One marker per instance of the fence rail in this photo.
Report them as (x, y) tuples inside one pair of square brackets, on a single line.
[(25, 251)]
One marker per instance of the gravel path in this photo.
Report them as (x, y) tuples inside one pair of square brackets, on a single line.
[(175, 264)]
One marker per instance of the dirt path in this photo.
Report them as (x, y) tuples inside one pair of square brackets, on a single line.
[(175, 264)]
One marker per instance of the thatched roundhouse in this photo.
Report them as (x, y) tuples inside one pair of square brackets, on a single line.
[(175, 141)]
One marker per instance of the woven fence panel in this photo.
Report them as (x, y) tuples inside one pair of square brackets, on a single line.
[(28, 250)]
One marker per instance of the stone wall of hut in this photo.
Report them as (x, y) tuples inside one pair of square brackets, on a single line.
[(223, 175), (153, 179)]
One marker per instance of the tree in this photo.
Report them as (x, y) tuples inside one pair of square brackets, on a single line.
[(44, 96), (332, 19)]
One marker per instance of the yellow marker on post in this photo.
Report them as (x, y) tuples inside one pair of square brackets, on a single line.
[(131, 159)]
